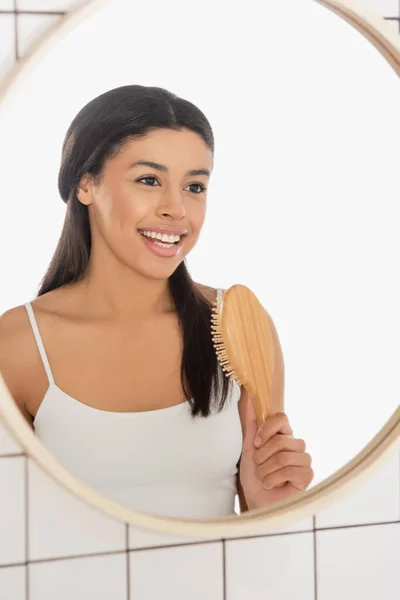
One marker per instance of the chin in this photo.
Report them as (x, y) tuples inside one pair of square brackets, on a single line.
[(161, 272)]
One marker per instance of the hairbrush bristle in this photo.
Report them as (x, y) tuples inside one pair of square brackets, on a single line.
[(219, 345)]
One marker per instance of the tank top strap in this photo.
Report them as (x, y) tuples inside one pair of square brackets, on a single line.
[(220, 292), (39, 342)]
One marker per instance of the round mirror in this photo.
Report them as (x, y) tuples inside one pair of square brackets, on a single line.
[(299, 205)]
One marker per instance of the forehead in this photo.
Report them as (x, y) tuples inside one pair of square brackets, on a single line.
[(176, 149)]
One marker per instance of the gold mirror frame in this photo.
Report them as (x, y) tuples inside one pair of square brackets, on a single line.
[(283, 513)]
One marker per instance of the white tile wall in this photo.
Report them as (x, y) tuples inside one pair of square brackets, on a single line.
[(269, 568), (7, 44), (299, 526), (394, 24), (182, 573), (12, 583), (303, 525), (359, 562), (8, 445), (351, 561), (142, 538), (383, 493), (30, 28), (12, 510), (386, 8), (6, 4), (48, 5), (90, 578)]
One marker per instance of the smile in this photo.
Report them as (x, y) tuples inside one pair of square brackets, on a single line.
[(162, 244)]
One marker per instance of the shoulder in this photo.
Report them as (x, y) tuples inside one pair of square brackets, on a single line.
[(14, 324), (18, 354), (207, 291)]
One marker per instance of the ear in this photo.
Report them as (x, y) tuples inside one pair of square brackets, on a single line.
[(84, 190)]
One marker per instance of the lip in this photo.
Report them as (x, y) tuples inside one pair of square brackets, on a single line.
[(175, 250), (167, 230)]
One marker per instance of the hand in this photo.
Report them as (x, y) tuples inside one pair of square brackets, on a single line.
[(277, 458)]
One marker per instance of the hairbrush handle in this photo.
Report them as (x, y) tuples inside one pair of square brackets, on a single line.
[(262, 414), (243, 339), (261, 409)]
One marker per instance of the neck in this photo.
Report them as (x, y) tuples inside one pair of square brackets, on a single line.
[(117, 292)]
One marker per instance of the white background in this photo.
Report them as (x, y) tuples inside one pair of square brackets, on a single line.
[(324, 564), (302, 202)]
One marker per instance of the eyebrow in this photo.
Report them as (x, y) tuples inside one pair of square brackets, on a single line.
[(164, 168)]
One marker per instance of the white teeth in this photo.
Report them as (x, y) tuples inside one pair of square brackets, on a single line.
[(162, 245), (161, 236)]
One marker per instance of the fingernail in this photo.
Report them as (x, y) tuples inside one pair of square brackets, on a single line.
[(258, 441)]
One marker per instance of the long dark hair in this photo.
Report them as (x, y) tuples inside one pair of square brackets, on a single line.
[(98, 133)]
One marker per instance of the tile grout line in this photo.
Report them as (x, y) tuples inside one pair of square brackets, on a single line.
[(42, 13), (209, 542), (336, 527), (12, 455), (62, 13), (392, 20), (128, 569), (26, 473), (315, 560), (224, 594), (16, 43)]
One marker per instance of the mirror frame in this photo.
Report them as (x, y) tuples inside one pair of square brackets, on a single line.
[(283, 513)]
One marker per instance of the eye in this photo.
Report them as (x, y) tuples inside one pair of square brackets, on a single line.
[(202, 187)]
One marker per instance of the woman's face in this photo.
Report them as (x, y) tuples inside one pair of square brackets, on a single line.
[(130, 198)]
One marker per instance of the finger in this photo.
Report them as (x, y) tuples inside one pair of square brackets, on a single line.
[(282, 460), (279, 443), (299, 477), (277, 423)]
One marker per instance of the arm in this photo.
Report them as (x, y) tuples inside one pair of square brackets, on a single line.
[(277, 399), (14, 353)]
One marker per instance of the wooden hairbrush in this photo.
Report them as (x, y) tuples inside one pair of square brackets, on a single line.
[(243, 340)]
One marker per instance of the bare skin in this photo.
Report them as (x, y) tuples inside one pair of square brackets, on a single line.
[(111, 358), (116, 330), (112, 339)]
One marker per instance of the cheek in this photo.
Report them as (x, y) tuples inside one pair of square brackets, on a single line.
[(119, 215), (197, 216)]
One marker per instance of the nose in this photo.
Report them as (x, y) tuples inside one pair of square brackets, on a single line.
[(172, 205)]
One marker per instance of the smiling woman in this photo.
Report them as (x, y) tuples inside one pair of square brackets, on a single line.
[(112, 363), (119, 296)]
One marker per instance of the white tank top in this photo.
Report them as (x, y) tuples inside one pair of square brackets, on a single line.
[(162, 461)]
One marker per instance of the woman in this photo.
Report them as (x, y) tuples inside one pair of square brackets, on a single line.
[(112, 363)]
